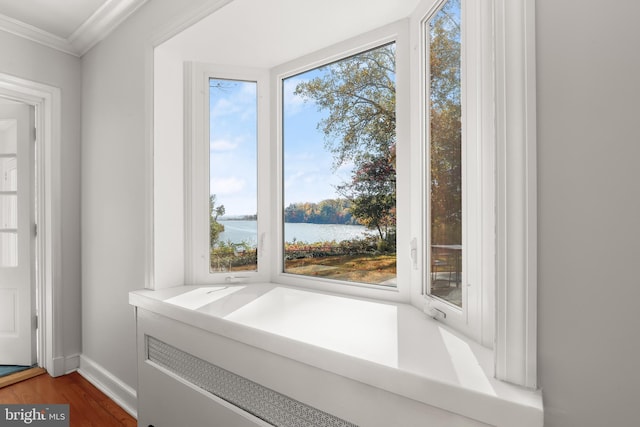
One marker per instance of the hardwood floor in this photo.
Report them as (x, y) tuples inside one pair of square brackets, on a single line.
[(88, 406), (20, 376)]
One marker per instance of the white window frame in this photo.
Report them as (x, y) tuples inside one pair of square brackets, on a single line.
[(398, 33), (197, 256), (516, 192), (475, 317), (502, 313)]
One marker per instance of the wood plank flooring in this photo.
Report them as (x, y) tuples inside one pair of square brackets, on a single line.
[(88, 406), (20, 376)]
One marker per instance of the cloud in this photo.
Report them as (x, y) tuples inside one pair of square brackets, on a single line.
[(293, 103), (228, 185), (293, 179), (237, 98), (224, 107), (223, 145)]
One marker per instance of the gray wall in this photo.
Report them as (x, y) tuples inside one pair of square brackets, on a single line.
[(589, 201), (31, 61), (113, 185), (589, 207)]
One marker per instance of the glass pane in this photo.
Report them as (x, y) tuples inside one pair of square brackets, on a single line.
[(8, 174), (8, 211), (445, 138), (339, 139), (233, 192), (8, 136), (8, 249)]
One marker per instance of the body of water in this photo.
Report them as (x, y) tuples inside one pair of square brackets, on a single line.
[(241, 230)]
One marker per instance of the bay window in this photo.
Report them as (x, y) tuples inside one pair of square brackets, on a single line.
[(371, 167), (339, 172)]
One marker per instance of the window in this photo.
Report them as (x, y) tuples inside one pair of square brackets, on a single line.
[(8, 194), (224, 176), (339, 173), (233, 201), (457, 142), (444, 138), (455, 203)]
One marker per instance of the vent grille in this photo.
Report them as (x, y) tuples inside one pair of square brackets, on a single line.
[(262, 402)]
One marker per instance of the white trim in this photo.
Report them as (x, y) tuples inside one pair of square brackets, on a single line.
[(149, 249), (66, 365), (397, 32), (186, 20), (35, 34), (178, 25), (516, 276), (475, 317), (47, 101), (98, 26), (101, 23), (197, 168), (71, 363), (193, 112), (124, 395)]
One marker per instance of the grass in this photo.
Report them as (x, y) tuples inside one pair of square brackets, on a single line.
[(365, 268)]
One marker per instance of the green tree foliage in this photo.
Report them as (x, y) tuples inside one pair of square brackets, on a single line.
[(330, 211), (445, 125), (359, 94), (374, 196), (215, 228)]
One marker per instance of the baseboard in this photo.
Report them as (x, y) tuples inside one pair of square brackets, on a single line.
[(110, 385), (65, 365), (71, 363)]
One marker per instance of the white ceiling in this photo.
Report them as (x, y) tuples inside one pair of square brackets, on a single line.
[(257, 32), (72, 26), (58, 17), (265, 33)]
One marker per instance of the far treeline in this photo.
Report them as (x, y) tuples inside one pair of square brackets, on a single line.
[(330, 211)]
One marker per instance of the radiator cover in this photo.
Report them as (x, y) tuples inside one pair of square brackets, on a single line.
[(260, 401)]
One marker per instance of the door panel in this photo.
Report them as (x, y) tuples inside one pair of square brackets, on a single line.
[(17, 235), (8, 311)]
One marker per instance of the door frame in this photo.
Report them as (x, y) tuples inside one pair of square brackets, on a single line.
[(47, 103)]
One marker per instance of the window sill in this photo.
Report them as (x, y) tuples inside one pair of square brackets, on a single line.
[(391, 346)]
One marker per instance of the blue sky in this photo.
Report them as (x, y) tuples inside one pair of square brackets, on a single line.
[(308, 173), (232, 145), (308, 166)]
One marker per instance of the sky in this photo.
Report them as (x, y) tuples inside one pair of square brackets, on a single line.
[(308, 172), (232, 145)]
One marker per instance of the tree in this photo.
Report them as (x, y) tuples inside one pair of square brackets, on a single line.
[(330, 211), (359, 94), (445, 125), (372, 192), (215, 228)]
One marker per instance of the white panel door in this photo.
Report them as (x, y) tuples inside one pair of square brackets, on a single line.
[(17, 235)]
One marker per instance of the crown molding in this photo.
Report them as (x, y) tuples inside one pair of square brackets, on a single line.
[(98, 26), (35, 34)]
